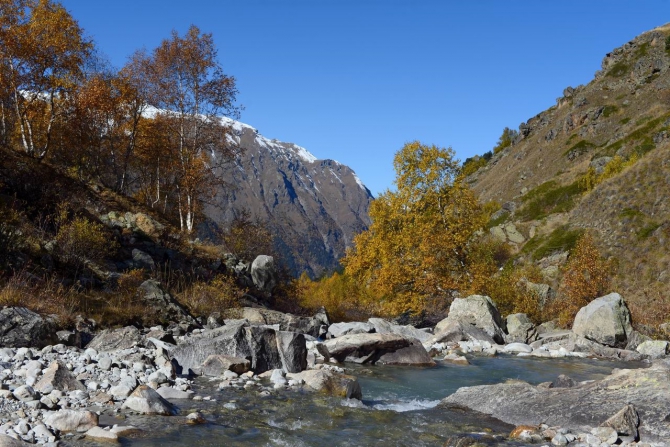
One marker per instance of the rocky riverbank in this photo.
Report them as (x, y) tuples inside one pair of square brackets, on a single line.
[(60, 391)]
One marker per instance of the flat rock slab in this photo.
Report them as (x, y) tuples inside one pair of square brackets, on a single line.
[(100, 434), (587, 404), (364, 345)]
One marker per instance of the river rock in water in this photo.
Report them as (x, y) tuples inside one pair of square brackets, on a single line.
[(145, 400), (586, 404), (364, 347), (479, 311), (330, 382)]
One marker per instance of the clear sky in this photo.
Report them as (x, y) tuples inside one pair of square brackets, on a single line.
[(353, 80)]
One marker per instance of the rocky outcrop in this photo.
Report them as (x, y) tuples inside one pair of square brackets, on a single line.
[(20, 327), (586, 404), (355, 327), (312, 207), (605, 320)]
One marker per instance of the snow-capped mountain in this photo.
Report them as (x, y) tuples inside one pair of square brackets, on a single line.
[(313, 207)]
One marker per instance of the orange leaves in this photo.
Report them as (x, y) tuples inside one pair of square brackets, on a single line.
[(417, 244), (587, 276)]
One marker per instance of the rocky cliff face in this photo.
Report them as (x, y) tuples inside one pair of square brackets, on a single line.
[(312, 207)]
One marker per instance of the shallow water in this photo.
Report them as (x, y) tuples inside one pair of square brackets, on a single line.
[(399, 408)]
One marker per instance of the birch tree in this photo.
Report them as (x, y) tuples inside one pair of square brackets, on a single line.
[(191, 92)]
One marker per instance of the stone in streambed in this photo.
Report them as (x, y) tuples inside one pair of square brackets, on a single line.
[(626, 423), (71, 420), (100, 434), (145, 400), (365, 346), (655, 349), (8, 441), (330, 382), (216, 364), (58, 377), (413, 355), (605, 320)]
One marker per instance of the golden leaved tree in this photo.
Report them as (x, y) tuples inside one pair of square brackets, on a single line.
[(417, 246)]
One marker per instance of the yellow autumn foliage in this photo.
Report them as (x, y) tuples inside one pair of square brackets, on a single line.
[(418, 245)]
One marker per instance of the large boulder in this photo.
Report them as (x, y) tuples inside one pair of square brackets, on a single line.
[(520, 329), (355, 327), (292, 351), (162, 304), (20, 327), (605, 320), (478, 311), (287, 322), (58, 377), (264, 347), (654, 349), (413, 355), (364, 348), (71, 420), (264, 273), (145, 400), (382, 326), (109, 340), (330, 382), (455, 331)]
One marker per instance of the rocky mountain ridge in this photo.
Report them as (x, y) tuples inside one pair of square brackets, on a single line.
[(596, 161), (312, 207)]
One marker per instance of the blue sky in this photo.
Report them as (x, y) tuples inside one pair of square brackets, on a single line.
[(353, 80)]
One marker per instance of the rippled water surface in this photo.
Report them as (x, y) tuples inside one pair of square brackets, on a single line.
[(399, 408)]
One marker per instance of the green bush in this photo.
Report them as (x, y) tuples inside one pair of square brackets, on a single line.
[(579, 148), (610, 110), (619, 69), (561, 239), (549, 198)]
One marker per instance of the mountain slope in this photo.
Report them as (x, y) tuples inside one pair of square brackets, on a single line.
[(312, 207), (616, 131)]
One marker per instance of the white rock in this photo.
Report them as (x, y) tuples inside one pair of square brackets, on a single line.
[(518, 347)]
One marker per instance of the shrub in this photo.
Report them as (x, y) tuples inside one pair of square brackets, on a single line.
[(79, 240), (508, 290), (549, 198), (561, 239), (505, 140), (610, 110), (204, 298), (343, 298), (619, 69), (10, 234), (587, 275)]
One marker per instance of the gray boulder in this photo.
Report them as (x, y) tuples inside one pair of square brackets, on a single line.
[(71, 420), (292, 351), (605, 320), (216, 364), (520, 329), (264, 273), (109, 340), (145, 400), (329, 382), (479, 311), (382, 326), (364, 348), (258, 344), (8, 441), (355, 327), (455, 331), (20, 327), (413, 355), (286, 322), (654, 349), (162, 304), (142, 260), (58, 377)]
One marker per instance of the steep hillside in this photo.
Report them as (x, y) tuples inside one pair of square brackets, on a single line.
[(312, 207), (597, 160)]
